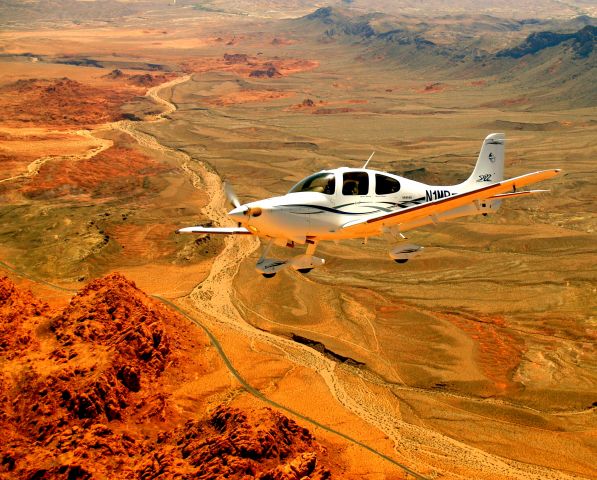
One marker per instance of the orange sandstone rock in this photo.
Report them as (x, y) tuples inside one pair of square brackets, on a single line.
[(95, 406)]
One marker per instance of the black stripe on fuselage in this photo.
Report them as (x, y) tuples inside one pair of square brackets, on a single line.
[(322, 209), (336, 209)]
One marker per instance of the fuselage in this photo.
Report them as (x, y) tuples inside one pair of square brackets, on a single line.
[(316, 207)]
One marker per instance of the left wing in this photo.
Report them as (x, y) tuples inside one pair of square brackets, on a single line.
[(221, 231), (430, 209)]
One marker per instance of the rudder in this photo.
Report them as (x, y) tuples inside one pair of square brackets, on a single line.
[(490, 164)]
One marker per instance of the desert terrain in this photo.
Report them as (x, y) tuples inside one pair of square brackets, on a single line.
[(119, 123)]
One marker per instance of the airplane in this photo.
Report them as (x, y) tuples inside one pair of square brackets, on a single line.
[(345, 203)]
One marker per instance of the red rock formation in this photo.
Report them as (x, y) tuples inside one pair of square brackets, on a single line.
[(269, 71), (140, 79), (95, 406), (232, 444), (114, 313), (19, 312), (61, 102), (232, 58), (148, 80), (111, 172), (115, 74)]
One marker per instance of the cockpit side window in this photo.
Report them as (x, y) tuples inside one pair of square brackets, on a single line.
[(355, 183), (385, 185), (320, 182)]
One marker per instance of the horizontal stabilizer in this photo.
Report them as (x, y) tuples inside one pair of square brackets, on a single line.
[(218, 231)]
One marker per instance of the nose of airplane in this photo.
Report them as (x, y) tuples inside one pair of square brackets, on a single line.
[(239, 214), (243, 213)]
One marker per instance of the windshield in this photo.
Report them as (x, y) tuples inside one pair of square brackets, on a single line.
[(320, 182)]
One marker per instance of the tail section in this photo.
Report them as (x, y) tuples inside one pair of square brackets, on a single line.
[(490, 164)]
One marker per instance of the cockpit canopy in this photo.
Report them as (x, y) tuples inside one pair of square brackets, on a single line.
[(357, 182), (318, 182)]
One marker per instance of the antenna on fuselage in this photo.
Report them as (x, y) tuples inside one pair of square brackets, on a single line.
[(368, 160)]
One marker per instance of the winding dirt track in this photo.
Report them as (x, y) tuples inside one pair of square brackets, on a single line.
[(419, 447), (102, 143), (34, 167)]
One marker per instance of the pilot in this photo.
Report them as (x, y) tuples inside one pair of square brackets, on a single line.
[(350, 187), (329, 188)]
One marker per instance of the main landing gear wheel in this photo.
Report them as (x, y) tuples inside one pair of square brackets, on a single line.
[(269, 275), (401, 260), (304, 270)]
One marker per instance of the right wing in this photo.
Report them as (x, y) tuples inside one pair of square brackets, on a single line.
[(220, 231)]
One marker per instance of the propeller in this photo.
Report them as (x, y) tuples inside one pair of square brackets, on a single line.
[(235, 202), (231, 196)]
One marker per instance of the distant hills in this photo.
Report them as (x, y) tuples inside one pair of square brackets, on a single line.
[(377, 29), (339, 23), (371, 30), (556, 60), (408, 30), (582, 42), (558, 67)]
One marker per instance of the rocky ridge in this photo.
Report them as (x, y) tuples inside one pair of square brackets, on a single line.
[(86, 393), (60, 102), (582, 43), (139, 79)]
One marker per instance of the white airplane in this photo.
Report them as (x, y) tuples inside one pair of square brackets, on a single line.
[(360, 203)]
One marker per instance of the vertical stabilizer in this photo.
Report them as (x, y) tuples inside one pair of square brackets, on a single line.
[(490, 164)]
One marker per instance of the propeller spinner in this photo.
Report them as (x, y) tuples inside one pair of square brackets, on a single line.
[(239, 211)]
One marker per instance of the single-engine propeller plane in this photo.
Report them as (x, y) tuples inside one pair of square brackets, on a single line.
[(348, 203)]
